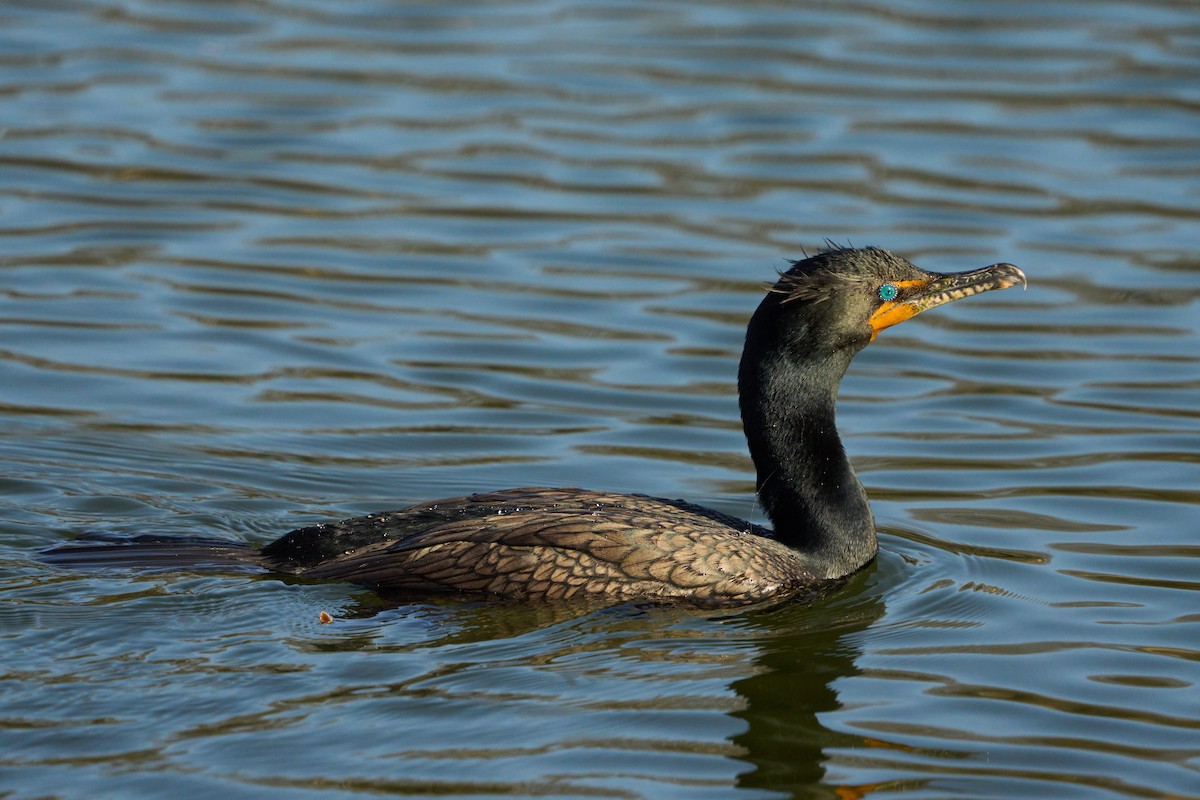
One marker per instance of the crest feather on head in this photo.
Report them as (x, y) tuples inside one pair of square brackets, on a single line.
[(826, 274)]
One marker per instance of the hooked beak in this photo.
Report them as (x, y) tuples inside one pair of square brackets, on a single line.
[(924, 294)]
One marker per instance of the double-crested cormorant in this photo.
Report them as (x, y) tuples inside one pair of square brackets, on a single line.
[(563, 543)]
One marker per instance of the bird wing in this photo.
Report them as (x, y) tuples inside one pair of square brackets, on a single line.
[(567, 546)]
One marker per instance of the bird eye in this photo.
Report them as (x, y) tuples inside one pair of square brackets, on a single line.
[(888, 292)]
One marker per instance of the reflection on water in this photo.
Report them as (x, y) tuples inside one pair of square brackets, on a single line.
[(265, 265), (803, 658)]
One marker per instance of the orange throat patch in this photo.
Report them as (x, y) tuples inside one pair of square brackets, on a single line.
[(894, 312)]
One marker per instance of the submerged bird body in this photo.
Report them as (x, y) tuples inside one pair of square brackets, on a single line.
[(556, 543), (543, 543)]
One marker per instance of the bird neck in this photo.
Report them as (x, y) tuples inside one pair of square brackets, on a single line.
[(806, 484)]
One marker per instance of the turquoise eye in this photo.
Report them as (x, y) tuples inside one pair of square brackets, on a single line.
[(888, 292)]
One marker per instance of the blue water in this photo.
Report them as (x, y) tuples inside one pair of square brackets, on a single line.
[(265, 265)]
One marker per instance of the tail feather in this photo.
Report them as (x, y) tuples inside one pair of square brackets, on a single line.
[(167, 553)]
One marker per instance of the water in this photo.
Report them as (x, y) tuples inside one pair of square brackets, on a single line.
[(270, 264)]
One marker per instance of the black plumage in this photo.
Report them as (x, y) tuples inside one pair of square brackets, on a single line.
[(559, 543)]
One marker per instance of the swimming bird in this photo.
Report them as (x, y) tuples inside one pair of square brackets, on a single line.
[(560, 543)]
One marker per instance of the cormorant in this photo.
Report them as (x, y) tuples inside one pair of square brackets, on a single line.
[(559, 543)]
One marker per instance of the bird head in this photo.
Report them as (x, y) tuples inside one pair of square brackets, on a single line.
[(843, 297)]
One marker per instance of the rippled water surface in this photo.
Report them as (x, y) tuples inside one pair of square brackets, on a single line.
[(268, 264)]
